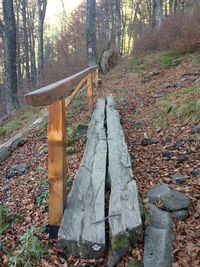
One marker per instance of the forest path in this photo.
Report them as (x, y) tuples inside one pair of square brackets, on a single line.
[(151, 104)]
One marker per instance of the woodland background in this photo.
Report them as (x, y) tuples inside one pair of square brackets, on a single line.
[(45, 54)]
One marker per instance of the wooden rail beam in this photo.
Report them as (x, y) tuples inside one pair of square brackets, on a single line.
[(56, 164), (55, 91)]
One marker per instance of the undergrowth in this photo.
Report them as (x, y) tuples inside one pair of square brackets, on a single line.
[(30, 249), (6, 218), (183, 105), (22, 119)]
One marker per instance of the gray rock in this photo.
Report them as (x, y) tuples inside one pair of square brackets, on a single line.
[(168, 140), (5, 188), (17, 169), (196, 172), (18, 142), (115, 256), (158, 129), (167, 154), (197, 81), (104, 63), (184, 79), (158, 245), (172, 200), (181, 215), (157, 95), (148, 141), (177, 145), (82, 129), (196, 129), (5, 152), (179, 179), (159, 218), (182, 158)]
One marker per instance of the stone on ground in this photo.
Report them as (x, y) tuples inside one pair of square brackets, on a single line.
[(159, 218), (181, 215), (179, 179), (172, 200), (158, 247)]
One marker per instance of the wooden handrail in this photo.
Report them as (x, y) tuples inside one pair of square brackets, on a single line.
[(55, 91), (54, 95)]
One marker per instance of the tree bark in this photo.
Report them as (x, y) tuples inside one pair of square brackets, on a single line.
[(42, 4), (12, 102), (157, 13), (31, 31), (118, 23), (26, 41), (91, 32)]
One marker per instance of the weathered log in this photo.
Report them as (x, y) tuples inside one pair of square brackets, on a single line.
[(124, 212), (82, 231)]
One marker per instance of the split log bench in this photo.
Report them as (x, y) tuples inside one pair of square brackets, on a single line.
[(106, 163)]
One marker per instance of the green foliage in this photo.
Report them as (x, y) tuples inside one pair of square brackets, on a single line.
[(121, 242), (184, 105), (72, 135), (135, 263), (30, 250), (44, 124), (70, 181), (169, 59), (136, 65), (2, 131), (6, 218), (138, 124), (42, 197)]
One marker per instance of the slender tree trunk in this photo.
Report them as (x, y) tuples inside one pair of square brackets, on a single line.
[(171, 6), (118, 23), (106, 26), (26, 41), (19, 71), (157, 13), (42, 4), (31, 31), (91, 32), (175, 5), (10, 56)]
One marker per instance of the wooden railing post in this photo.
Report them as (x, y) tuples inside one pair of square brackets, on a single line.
[(96, 77), (56, 164), (90, 93)]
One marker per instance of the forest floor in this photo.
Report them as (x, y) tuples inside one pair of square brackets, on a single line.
[(157, 96)]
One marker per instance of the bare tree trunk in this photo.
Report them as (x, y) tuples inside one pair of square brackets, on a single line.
[(91, 32), (118, 23), (42, 4), (157, 13), (19, 71), (31, 31), (175, 5), (10, 56), (26, 41), (107, 36), (171, 6)]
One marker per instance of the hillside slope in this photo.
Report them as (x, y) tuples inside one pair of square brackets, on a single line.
[(158, 97)]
